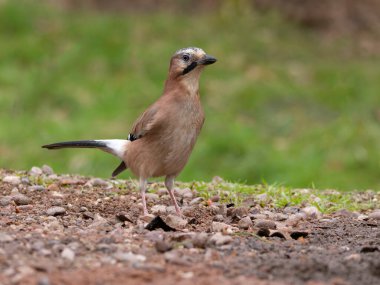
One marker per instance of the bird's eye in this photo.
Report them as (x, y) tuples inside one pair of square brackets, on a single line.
[(186, 57)]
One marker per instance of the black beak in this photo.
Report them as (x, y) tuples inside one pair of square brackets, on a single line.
[(206, 60)]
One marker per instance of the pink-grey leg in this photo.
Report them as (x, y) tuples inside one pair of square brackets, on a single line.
[(169, 183), (143, 184)]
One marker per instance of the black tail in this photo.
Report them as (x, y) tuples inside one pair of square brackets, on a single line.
[(76, 144)]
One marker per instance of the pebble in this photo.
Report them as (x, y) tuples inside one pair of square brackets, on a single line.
[(294, 219), (262, 198), (130, 257), (218, 218), (44, 280), (176, 222), (258, 216), (21, 199), (245, 223), (217, 180), (158, 210), (291, 210), (375, 215), (5, 201), (122, 216), (162, 191), (36, 188), (5, 237), (184, 193), (55, 211), (68, 254), (312, 212), (176, 257), (215, 198), (220, 239), (239, 212), (88, 215), (265, 224), (200, 240), (35, 171), (46, 169), (12, 179), (196, 201), (222, 227), (353, 257), (152, 197), (162, 246)]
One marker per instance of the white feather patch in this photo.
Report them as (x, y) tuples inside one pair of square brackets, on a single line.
[(115, 147)]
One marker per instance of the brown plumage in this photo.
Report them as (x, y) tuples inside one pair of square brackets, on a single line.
[(162, 138)]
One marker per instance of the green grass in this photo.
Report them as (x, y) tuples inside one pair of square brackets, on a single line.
[(281, 104)]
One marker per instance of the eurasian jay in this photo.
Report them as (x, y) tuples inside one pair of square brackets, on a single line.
[(163, 137)]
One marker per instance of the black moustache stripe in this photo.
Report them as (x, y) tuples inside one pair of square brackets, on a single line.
[(189, 68)]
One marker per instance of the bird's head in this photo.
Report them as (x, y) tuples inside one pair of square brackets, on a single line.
[(187, 63)]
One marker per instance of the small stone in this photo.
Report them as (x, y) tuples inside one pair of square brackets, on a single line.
[(152, 197), (312, 212), (88, 215), (177, 257), (5, 237), (5, 201), (46, 169), (98, 182), (44, 280), (238, 212), (12, 179), (345, 213), (218, 218), (262, 198), (356, 257), (245, 223), (375, 215), (37, 188), (176, 222), (220, 239), (56, 211), (265, 224), (162, 246), (362, 217), (200, 240), (291, 210), (294, 219), (184, 193), (162, 191), (21, 199), (68, 254), (158, 210), (222, 227), (215, 198), (258, 216), (217, 179), (129, 257), (196, 201), (35, 171), (53, 187)]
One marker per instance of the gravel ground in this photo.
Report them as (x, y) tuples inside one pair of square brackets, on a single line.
[(77, 230)]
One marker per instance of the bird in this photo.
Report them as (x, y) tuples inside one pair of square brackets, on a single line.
[(163, 136)]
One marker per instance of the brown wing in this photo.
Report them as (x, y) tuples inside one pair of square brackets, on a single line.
[(144, 123)]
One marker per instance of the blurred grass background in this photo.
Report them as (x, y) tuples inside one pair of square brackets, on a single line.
[(289, 101)]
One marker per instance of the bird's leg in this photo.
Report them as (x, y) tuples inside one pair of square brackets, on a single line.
[(169, 182), (143, 183)]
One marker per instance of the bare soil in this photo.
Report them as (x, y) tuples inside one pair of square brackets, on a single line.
[(78, 230)]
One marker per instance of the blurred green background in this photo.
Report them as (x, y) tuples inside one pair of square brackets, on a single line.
[(293, 99)]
